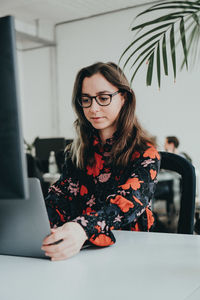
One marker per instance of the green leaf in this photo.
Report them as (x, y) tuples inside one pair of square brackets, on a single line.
[(160, 19), (173, 53), (195, 47), (142, 61), (182, 13), (183, 40), (164, 54), (186, 19), (144, 52), (142, 36), (158, 64), (190, 43), (142, 45), (170, 7), (150, 70), (189, 3), (195, 17)]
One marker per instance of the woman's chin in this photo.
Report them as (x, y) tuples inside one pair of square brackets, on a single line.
[(98, 127)]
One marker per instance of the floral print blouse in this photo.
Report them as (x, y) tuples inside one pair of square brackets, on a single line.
[(102, 198)]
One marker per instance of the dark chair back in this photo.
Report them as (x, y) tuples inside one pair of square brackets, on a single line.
[(43, 147), (179, 164)]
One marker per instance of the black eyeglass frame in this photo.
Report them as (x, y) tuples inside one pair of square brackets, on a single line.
[(95, 97)]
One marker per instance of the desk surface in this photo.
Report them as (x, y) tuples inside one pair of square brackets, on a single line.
[(139, 266)]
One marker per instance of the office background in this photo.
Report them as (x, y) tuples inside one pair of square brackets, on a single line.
[(47, 73)]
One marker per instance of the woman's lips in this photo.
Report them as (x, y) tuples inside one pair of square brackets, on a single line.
[(96, 118)]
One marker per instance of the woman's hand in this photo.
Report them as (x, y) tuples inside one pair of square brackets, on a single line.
[(64, 241)]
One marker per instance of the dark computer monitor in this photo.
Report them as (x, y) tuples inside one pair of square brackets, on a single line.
[(23, 217), (13, 178)]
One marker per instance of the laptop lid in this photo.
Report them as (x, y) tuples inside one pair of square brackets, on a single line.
[(24, 224)]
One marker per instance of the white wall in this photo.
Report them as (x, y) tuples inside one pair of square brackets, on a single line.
[(37, 93), (173, 110), (37, 78)]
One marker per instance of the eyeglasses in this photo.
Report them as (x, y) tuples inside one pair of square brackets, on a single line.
[(102, 99)]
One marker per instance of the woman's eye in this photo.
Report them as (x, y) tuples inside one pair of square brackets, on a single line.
[(103, 97), (85, 100)]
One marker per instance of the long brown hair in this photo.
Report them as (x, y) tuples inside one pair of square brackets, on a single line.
[(130, 136)]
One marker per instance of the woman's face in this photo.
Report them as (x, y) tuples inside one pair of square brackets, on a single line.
[(102, 118)]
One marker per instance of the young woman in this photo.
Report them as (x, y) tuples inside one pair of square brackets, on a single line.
[(110, 171)]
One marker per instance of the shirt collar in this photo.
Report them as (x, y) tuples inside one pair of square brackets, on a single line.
[(108, 144)]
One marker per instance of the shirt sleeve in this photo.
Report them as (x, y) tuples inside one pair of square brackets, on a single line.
[(60, 199), (129, 202)]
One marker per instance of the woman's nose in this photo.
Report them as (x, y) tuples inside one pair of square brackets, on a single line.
[(95, 106)]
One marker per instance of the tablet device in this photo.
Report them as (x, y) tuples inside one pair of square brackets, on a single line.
[(24, 223)]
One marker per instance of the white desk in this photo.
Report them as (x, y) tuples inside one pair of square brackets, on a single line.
[(139, 266)]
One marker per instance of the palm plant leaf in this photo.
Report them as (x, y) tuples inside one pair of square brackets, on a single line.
[(141, 62), (160, 32), (183, 40), (173, 53), (150, 69), (142, 36), (168, 17), (142, 46), (195, 47), (191, 42), (150, 47), (172, 5), (164, 54), (158, 64)]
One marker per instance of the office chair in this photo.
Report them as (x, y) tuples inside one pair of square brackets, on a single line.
[(43, 147), (177, 163)]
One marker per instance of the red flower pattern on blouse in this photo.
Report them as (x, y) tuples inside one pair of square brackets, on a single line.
[(123, 203), (133, 183), (103, 198), (95, 170)]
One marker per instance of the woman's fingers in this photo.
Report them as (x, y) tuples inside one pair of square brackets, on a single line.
[(62, 254), (54, 237), (65, 244), (64, 257), (64, 241)]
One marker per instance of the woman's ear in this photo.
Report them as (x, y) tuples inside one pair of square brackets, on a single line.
[(123, 97)]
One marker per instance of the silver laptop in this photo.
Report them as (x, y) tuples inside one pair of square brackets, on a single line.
[(24, 223)]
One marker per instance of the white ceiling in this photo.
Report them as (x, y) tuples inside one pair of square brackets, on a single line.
[(58, 11)]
